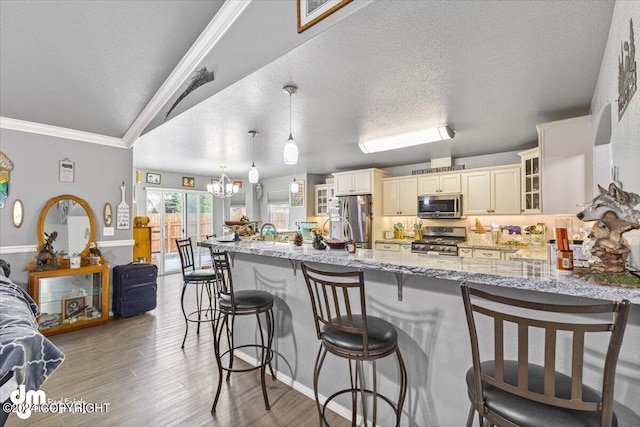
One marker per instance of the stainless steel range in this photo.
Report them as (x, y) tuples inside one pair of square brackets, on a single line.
[(440, 240)]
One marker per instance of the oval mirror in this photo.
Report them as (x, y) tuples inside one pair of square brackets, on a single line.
[(108, 214), (17, 213), (72, 219)]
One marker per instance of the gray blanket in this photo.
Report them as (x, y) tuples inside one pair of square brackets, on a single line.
[(24, 350)]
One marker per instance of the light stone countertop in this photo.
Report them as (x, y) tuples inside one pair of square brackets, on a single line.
[(534, 275)]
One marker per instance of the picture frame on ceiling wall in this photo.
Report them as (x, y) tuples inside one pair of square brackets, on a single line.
[(153, 178), (296, 200), (310, 12), (188, 181)]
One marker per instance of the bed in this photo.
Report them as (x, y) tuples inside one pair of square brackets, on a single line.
[(26, 356)]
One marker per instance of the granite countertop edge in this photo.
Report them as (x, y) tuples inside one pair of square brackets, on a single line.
[(534, 275)]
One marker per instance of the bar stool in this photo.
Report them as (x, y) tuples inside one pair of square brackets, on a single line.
[(517, 392), (356, 337), (239, 303), (200, 279)]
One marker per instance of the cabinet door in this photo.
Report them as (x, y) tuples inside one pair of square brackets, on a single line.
[(408, 196), (344, 183), (505, 191), (450, 184), (321, 200), (390, 195), (362, 182), (428, 185), (476, 191)]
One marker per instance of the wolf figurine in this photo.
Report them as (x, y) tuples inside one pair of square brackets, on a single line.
[(622, 203)]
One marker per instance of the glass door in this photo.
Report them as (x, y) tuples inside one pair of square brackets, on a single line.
[(178, 215)]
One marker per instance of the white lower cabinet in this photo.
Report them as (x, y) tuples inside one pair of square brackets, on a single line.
[(392, 247)]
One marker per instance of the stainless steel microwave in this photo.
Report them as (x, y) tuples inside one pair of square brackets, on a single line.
[(440, 206)]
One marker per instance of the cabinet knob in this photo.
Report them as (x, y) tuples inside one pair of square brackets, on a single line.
[(489, 210)]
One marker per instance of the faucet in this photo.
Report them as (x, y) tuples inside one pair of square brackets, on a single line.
[(270, 232)]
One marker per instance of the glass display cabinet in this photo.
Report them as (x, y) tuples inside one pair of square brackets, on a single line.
[(70, 298)]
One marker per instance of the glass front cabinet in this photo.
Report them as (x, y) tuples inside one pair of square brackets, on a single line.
[(70, 298), (323, 193), (531, 191)]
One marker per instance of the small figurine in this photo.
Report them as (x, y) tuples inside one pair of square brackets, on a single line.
[(46, 258), (318, 241)]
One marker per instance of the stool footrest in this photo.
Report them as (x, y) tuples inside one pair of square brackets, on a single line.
[(253, 368), (390, 402), (206, 313)]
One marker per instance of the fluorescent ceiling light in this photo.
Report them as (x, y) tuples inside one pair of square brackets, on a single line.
[(438, 133)]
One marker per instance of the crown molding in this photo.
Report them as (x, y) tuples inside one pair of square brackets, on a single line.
[(226, 16), (60, 132)]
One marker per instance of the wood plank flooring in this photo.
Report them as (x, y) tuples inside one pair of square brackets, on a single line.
[(137, 366)]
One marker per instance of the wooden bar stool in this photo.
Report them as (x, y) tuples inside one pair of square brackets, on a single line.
[(198, 278), (517, 392), (353, 336), (230, 304)]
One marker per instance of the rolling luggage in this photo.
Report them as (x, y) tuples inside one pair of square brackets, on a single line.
[(134, 289)]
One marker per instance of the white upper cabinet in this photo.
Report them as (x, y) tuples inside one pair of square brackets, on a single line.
[(566, 161), (439, 184), (357, 182), (400, 196), (491, 191), (323, 193), (530, 186)]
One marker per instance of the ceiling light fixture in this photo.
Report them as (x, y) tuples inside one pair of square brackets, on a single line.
[(438, 133), (223, 187), (254, 176), (290, 147)]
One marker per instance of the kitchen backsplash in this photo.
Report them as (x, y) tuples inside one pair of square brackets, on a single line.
[(487, 221)]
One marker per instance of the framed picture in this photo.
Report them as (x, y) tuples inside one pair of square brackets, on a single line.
[(74, 307), (188, 181), (296, 200), (153, 178), (67, 168), (310, 12)]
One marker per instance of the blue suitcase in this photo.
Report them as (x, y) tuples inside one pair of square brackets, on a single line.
[(135, 288)]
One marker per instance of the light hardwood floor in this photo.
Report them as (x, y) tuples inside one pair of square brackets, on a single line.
[(136, 365)]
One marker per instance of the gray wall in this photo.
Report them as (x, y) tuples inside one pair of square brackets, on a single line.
[(280, 187), (99, 172), (625, 134)]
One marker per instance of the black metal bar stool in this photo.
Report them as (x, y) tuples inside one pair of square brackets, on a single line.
[(516, 392), (353, 336), (198, 278), (239, 303)]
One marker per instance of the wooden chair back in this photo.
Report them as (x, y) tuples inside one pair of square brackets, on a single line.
[(475, 302), (334, 296)]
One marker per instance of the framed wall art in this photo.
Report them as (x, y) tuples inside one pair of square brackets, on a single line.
[(310, 12), (67, 169), (296, 200), (188, 181), (73, 307), (153, 178)]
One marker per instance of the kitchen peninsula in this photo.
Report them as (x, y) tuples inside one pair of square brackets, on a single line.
[(433, 334)]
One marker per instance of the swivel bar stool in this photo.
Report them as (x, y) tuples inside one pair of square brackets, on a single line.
[(239, 303), (356, 337), (198, 278)]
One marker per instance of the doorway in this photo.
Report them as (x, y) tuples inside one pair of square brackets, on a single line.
[(178, 215)]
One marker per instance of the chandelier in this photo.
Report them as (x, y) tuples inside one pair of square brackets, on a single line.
[(223, 187)]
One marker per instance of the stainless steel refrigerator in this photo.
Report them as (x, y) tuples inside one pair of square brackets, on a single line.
[(357, 211)]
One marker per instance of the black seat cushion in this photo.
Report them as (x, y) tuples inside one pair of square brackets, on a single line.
[(247, 300), (382, 335), (200, 275), (525, 412)]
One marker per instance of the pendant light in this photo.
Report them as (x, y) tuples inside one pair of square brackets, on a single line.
[(294, 187), (290, 147), (254, 176)]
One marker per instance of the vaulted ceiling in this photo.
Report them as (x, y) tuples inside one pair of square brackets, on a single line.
[(492, 70)]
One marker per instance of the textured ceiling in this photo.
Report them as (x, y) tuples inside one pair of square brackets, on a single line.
[(491, 69)]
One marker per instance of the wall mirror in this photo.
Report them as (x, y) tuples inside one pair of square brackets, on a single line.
[(72, 218), (107, 214), (17, 213)]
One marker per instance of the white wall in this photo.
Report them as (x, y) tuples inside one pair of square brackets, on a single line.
[(625, 134)]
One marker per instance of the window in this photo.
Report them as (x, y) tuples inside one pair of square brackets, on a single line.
[(279, 215)]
